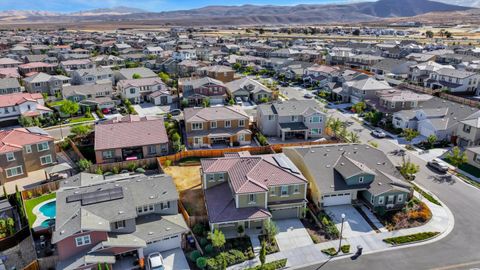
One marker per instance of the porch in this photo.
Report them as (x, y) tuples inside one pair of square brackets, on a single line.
[(293, 130)]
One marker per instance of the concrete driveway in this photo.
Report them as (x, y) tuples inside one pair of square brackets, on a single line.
[(291, 234), (175, 260), (148, 109), (354, 224)]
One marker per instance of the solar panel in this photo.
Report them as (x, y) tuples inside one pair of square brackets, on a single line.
[(104, 195)]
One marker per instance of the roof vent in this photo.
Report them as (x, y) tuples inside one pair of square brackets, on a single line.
[(121, 212), (138, 180), (150, 233), (342, 163), (328, 166), (168, 229), (379, 183), (152, 197), (332, 186)]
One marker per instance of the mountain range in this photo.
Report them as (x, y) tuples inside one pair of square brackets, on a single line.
[(245, 14)]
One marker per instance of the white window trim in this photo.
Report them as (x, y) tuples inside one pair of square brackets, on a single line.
[(84, 240), (10, 156), (281, 191), (200, 127), (241, 123), (381, 200), (120, 224), (42, 143), (400, 198), (274, 190), (45, 163), (228, 123), (254, 201), (360, 179), (297, 188), (28, 148), (109, 155), (16, 167), (213, 124)]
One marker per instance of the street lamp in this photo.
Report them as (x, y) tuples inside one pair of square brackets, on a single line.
[(61, 130), (341, 232)]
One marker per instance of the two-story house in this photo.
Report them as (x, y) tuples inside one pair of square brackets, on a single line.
[(454, 80), (222, 73), (468, 131), (36, 67), (388, 101), (129, 138), (139, 90), (97, 96), (12, 106), (249, 89), (206, 127), (45, 83), (288, 119), (76, 64), (9, 86), (196, 90), (245, 190), (341, 174), (130, 73), (92, 76), (23, 150), (361, 90), (102, 221), (420, 73)]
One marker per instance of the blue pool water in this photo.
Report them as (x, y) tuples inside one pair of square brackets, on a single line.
[(48, 209), (47, 223)]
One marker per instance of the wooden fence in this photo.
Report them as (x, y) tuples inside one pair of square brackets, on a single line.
[(48, 262), (13, 240), (75, 149), (255, 150), (418, 89), (461, 100), (106, 167), (39, 190), (191, 220), (33, 266)]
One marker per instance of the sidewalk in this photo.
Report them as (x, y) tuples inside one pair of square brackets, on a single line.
[(442, 221)]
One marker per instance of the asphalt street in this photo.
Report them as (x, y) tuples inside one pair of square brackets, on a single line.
[(459, 250)]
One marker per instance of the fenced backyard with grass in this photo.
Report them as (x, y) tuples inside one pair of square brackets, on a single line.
[(30, 204)]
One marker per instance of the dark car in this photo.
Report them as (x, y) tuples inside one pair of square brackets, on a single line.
[(438, 165), (175, 112)]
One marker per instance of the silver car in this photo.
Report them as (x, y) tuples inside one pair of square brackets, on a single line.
[(438, 165), (379, 133), (155, 261)]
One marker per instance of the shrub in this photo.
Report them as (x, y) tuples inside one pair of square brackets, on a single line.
[(84, 164), (345, 248), (99, 114), (194, 255), (410, 238), (201, 262), (203, 241), (140, 170), (168, 163), (330, 251), (115, 170), (271, 265), (209, 249), (262, 139), (132, 166), (198, 229)]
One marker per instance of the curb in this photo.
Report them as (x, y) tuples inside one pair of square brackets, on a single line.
[(414, 242)]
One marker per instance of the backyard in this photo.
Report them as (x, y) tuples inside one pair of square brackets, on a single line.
[(30, 204), (187, 180)]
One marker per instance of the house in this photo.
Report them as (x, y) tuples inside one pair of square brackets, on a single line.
[(249, 89), (196, 90), (12, 106), (153, 51), (36, 67), (420, 73), (9, 73), (24, 150), (76, 64), (127, 73), (9, 86), (454, 80), (341, 174), (206, 127), (129, 138), (218, 72), (92, 76), (102, 221), (320, 75), (109, 61), (139, 90), (360, 90), (473, 156), (389, 101), (181, 55), (45, 83), (393, 67), (468, 131), (436, 116), (97, 96), (288, 119), (9, 63), (245, 190)]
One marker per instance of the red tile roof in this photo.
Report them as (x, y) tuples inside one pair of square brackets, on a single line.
[(18, 98), (14, 140)]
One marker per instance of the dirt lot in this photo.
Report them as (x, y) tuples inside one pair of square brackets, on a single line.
[(187, 180)]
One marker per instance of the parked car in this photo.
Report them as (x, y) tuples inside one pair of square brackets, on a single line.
[(155, 261), (105, 111), (438, 165), (238, 101), (175, 112), (284, 84), (308, 96), (378, 133)]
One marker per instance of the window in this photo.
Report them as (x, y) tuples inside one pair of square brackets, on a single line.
[(152, 149), (296, 189), (293, 118), (210, 177), (400, 198), (42, 146), (197, 126), (10, 156), (381, 200), (146, 208), (220, 177), (228, 123), (252, 198), (284, 191), (271, 117), (14, 171), (46, 159), (213, 124), (360, 179), (476, 158), (241, 137), (120, 224), (273, 191), (107, 154), (82, 240), (466, 128), (197, 140), (315, 119), (164, 205), (28, 149), (314, 131), (241, 123), (132, 91)]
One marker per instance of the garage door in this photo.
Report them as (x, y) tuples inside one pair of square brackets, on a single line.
[(162, 245), (284, 213), (337, 199), (425, 131)]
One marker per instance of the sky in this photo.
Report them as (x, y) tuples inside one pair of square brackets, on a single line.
[(149, 5)]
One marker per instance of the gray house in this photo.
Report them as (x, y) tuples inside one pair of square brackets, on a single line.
[(287, 119), (248, 89), (9, 86)]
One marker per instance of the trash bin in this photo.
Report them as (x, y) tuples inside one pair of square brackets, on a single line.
[(359, 250)]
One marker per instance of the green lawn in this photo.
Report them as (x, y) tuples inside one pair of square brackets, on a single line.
[(56, 103), (81, 119), (30, 204)]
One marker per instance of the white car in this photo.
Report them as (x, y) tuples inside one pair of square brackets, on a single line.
[(155, 261), (378, 133)]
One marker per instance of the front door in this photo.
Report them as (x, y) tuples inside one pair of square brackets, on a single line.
[(197, 141), (163, 100)]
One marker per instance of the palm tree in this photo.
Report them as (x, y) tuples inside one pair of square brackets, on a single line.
[(353, 137), (335, 125)]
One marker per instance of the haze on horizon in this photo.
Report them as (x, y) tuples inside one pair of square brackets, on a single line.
[(165, 5)]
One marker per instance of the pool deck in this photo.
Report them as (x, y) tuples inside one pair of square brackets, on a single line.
[(40, 216)]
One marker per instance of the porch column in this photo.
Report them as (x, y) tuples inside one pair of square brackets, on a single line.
[(140, 253), (283, 135), (306, 135)]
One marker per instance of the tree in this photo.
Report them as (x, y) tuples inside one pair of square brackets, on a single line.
[(217, 238), (206, 102), (335, 125), (270, 229), (84, 164), (359, 107), (353, 137), (231, 101), (81, 131), (201, 262), (356, 32), (408, 169), (136, 76), (457, 157), (429, 34), (448, 34), (431, 140), (164, 77), (410, 134), (263, 253), (237, 66), (69, 107), (374, 117)]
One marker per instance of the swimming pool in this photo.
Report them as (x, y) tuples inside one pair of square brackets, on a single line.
[(48, 209), (47, 223)]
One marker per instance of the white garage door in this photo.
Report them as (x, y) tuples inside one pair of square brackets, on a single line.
[(337, 199), (162, 245), (284, 213)]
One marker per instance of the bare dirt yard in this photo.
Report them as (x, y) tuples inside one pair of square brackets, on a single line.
[(187, 180)]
